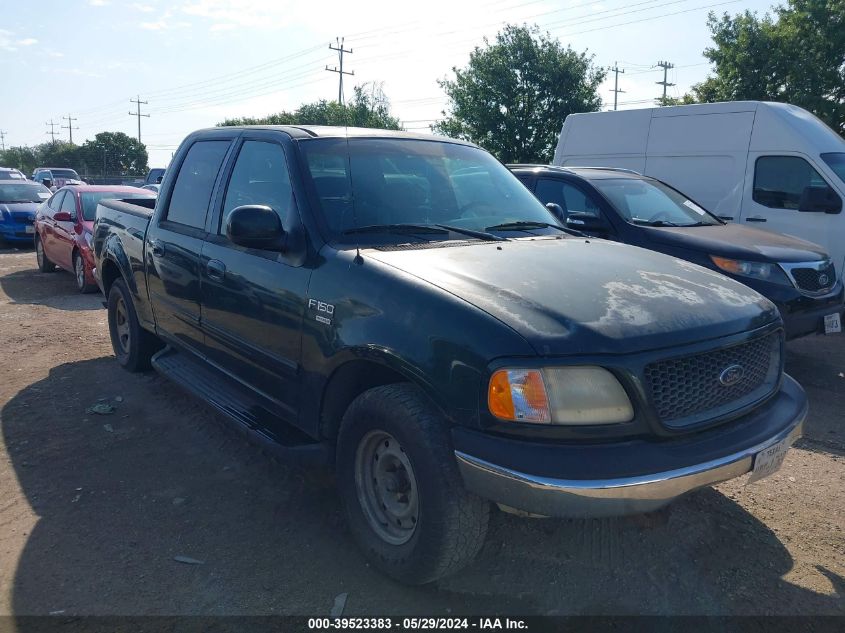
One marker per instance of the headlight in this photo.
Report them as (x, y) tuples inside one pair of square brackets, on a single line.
[(559, 395), (756, 270)]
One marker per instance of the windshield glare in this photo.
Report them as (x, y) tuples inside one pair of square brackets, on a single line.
[(365, 182), (20, 192), (651, 202), (64, 173), (836, 162), (90, 200)]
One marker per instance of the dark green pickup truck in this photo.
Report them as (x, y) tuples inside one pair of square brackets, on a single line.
[(402, 307)]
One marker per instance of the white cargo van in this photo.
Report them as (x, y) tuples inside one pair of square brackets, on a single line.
[(771, 165)]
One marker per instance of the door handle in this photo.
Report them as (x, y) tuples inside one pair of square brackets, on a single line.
[(215, 269), (726, 218), (157, 247), (755, 219)]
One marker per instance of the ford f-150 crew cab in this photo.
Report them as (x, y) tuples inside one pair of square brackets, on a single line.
[(401, 306)]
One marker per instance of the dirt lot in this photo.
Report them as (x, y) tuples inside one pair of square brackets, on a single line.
[(93, 509)]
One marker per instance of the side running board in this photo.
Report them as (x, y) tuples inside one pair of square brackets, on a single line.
[(239, 404)]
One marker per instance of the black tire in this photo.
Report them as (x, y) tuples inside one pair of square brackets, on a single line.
[(79, 275), (44, 264), (133, 345), (450, 523)]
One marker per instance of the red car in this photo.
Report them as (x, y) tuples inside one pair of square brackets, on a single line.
[(63, 228)]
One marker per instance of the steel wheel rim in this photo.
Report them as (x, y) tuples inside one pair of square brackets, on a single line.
[(121, 325), (80, 272), (387, 488)]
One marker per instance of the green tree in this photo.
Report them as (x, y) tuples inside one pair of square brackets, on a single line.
[(515, 93), (22, 157), (797, 56), (369, 107), (123, 155)]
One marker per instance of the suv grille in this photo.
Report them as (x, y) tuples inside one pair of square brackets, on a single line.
[(689, 389), (813, 280)]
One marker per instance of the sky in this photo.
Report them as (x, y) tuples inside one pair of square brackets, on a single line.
[(197, 62)]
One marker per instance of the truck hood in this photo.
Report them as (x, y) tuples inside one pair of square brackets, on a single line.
[(738, 242), (576, 296)]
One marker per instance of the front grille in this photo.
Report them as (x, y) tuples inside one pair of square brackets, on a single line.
[(689, 389), (813, 280)]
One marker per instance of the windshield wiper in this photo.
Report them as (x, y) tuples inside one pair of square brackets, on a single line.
[(481, 235), (524, 225), (399, 229), (658, 223)]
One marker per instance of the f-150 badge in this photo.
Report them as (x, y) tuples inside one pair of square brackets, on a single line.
[(325, 311)]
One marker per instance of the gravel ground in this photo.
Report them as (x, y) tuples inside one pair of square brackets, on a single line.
[(94, 509)]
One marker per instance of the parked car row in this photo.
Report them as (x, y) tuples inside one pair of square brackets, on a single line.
[(402, 307)]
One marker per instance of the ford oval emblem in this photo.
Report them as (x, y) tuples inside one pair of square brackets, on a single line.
[(823, 280), (731, 375)]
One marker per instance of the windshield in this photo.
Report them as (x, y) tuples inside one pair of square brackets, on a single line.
[(90, 200), (10, 175), (389, 182), (23, 192), (836, 161), (64, 173), (651, 202)]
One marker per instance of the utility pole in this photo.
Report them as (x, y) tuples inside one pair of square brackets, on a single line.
[(69, 127), (616, 90), (137, 101), (666, 66), (2, 141), (52, 131), (340, 51)]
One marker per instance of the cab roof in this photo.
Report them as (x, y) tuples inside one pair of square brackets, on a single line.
[(302, 132)]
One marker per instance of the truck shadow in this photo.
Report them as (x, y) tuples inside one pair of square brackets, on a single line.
[(54, 290), (116, 498)]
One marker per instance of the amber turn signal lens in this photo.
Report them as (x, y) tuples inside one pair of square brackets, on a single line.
[(499, 398)]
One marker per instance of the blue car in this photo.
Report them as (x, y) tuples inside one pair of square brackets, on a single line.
[(18, 203)]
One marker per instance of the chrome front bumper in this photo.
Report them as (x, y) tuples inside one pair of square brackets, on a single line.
[(611, 497)]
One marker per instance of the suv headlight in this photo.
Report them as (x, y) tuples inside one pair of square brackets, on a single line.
[(756, 270), (574, 395)]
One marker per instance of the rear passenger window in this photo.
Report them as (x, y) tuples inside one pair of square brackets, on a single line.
[(570, 198), (260, 177), (779, 181), (195, 183)]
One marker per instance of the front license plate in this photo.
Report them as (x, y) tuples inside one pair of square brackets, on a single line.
[(31, 229), (770, 460), (832, 323)]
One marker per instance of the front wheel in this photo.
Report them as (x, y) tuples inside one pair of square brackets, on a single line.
[(79, 275), (44, 264), (399, 482), (133, 345)]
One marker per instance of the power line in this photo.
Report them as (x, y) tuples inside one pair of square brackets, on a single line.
[(340, 72), (69, 127), (616, 89), (137, 101), (52, 131), (666, 66)]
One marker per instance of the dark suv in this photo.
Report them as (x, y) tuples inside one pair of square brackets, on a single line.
[(622, 205)]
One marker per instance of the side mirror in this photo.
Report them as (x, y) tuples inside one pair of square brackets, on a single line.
[(557, 211), (62, 216), (586, 222), (819, 200), (256, 226)]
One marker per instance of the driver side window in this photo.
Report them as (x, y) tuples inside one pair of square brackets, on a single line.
[(55, 202), (570, 198), (69, 204), (260, 177)]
